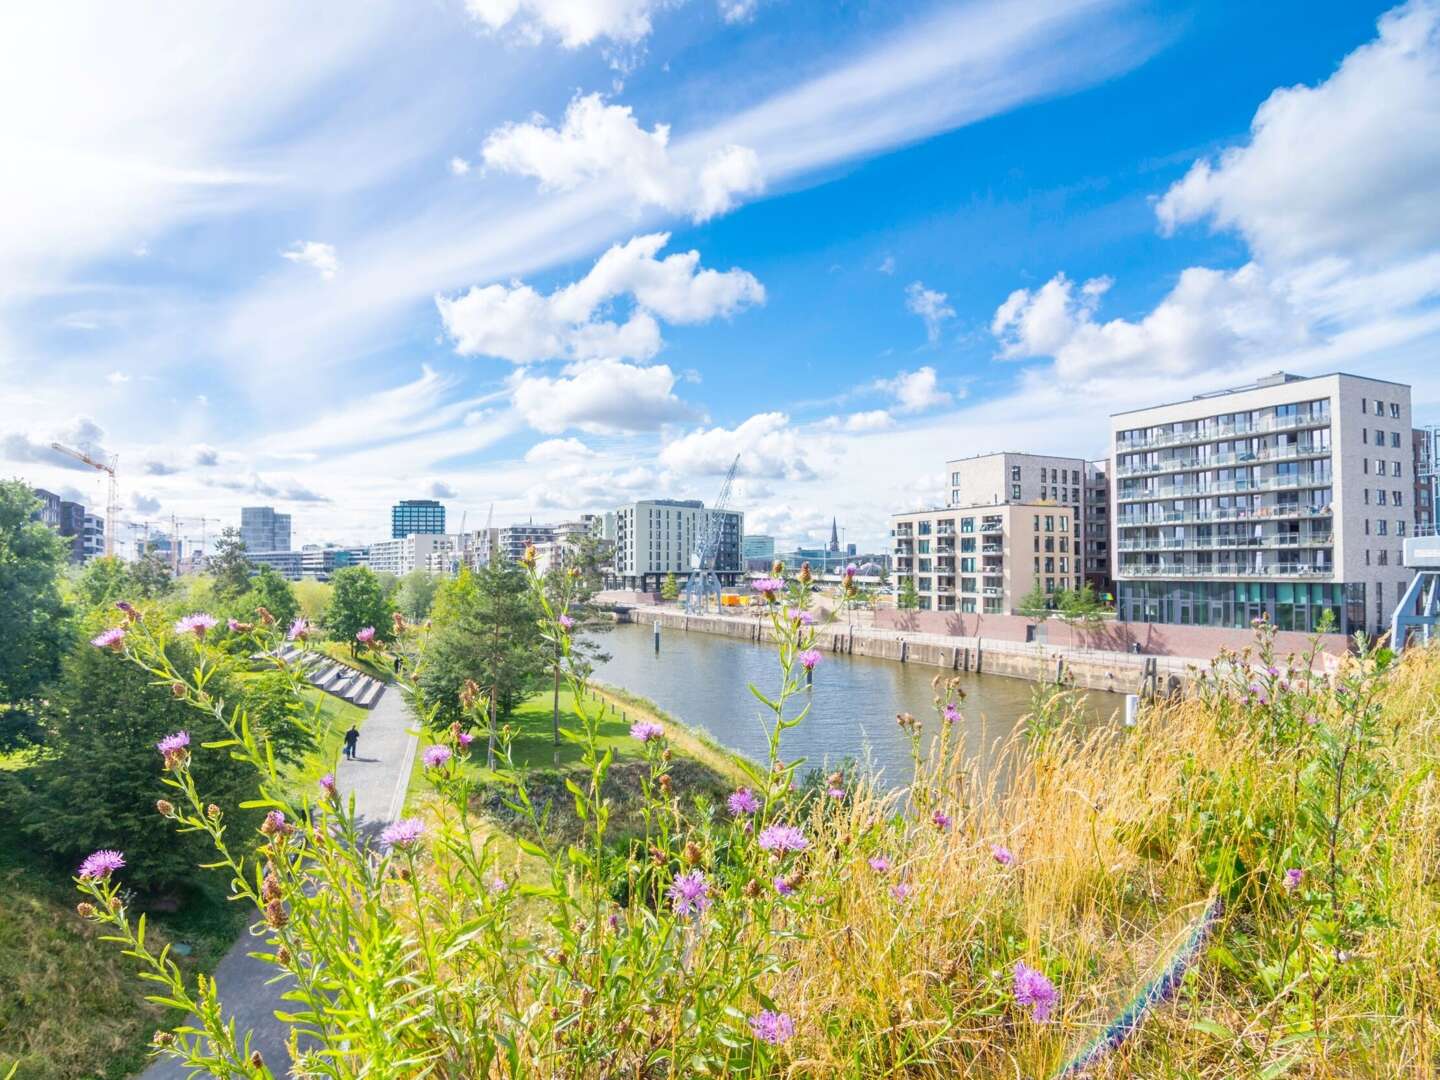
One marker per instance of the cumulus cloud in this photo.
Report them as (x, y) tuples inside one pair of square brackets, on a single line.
[(145, 504), (1348, 168), (597, 140), (873, 420), (887, 265), (737, 11), (916, 391), (206, 456), (517, 323), (601, 397), (459, 166), (574, 22), (316, 255), (441, 490), (159, 468), (558, 451), (82, 433), (255, 484), (767, 445), (930, 305)]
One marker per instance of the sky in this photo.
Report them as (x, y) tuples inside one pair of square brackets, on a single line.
[(542, 257)]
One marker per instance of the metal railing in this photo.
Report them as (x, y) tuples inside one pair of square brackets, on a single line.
[(1230, 570), (1188, 517), (1216, 432)]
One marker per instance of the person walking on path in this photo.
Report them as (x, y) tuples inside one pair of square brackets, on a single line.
[(352, 737)]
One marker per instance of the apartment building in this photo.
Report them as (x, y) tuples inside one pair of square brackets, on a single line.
[(402, 554), (288, 564), (514, 539), (1288, 498), (656, 537), (1095, 528), (92, 537), (1427, 479), (262, 529), (986, 558)]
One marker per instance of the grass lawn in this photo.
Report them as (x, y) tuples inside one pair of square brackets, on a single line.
[(338, 715), (370, 663)]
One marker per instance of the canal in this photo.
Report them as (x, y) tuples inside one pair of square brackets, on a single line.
[(701, 679)]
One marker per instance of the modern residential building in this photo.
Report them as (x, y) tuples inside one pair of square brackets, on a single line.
[(66, 518), (985, 558), (262, 529), (402, 554), (1095, 528), (988, 479), (410, 516), (656, 537), (1286, 499), (319, 561), (92, 537), (481, 546), (49, 511), (288, 564), (758, 551), (514, 539), (1427, 478)]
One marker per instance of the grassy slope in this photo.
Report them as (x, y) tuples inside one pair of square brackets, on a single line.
[(367, 662)]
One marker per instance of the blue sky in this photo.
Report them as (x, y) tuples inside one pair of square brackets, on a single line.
[(549, 255)]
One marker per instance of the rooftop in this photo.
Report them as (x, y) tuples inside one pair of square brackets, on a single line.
[(1278, 378)]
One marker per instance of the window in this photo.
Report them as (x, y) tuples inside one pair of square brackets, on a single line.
[(1365, 462), (1400, 527), (1394, 410), (1014, 491), (1365, 435), (1379, 407), (1395, 468), (1379, 436), (1382, 527), (1379, 496), (1049, 523), (1365, 405), (1379, 466), (1014, 474), (1397, 498), (967, 525)]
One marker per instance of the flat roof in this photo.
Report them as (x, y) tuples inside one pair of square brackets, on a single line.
[(1015, 453), (976, 507), (1289, 380)]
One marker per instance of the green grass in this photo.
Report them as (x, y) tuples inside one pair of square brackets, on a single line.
[(370, 663), (336, 716)]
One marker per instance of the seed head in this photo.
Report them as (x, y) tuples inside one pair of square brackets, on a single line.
[(275, 915), (164, 808), (85, 909)]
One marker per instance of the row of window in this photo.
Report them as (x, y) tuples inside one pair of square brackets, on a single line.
[(1380, 467), (1380, 437), (1225, 423), (1396, 498), (1380, 407)]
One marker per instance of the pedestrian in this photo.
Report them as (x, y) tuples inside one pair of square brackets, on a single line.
[(351, 738)]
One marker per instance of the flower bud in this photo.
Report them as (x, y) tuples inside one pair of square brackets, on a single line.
[(164, 808), (275, 915), (163, 1038), (270, 888), (212, 812), (263, 614), (282, 954), (85, 909), (177, 689), (752, 889), (665, 783), (256, 1061), (692, 854)]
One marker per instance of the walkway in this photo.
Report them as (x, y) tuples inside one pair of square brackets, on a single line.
[(378, 778)]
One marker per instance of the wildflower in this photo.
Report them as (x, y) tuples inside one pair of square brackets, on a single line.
[(1293, 878), (880, 864), (951, 712), (238, 627), (327, 786), (1034, 991), (398, 621), (901, 892), (469, 691), (365, 635), (1311, 719), (941, 819), (802, 618), (566, 622), (805, 575), (742, 803), (645, 730), (128, 609), (836, 792), (403, 833), (173, 748), (769, 586), (436, 756), (772, 1027), (777, 568), (85, 909), (498, 885), (782, 838), (99, 865), (275, 824), (299, 629), (905, 721), (690, 893), (263, 614), (164, 807), (530, 556), (275, 915), (809, 658), (1002, 854), (113, 639), (465, 738), (783, 886), (851, 570), (196, 624)]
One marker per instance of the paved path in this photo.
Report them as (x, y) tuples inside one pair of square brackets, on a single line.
[(378, 777)]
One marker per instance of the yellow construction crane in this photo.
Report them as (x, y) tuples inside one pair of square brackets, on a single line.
[(112, 510)]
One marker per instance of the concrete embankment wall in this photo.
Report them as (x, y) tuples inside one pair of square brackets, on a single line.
[(1091, 669)]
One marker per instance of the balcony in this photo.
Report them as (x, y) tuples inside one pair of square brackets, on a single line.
[(1209, 543), (1224, 570), (992, 527), (992, 590), (1188, 517), (991, 549)]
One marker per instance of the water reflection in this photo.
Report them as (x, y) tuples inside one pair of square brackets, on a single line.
[(701, 679)]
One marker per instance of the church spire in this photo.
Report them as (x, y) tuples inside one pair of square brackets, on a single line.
[(834, 535)]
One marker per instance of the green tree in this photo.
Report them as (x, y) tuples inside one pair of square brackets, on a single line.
[(908, 598), (229, 565), (150, 577), (486, 628), (573, 595), (270, 591), (34, 621), (670, 587), (357, 600), (1036, 604), (103, 581), (1079, 606), (415, 594), (99, 789)]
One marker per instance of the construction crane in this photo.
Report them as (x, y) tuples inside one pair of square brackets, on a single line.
[(702, 582), (112, 508)]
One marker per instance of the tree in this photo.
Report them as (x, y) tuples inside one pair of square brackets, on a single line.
[(669, 588), (486, 628), (570, 590), (1079, 606), (102, 581), (33, 616), (99, 789), (272, 592), (150, 577), (1036, 603), (357, 601), (908, 599), (229, 565), (415, 594), (884, 577)]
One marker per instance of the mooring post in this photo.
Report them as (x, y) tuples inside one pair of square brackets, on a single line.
[(904, 649), (657, 635), (1132, 709)]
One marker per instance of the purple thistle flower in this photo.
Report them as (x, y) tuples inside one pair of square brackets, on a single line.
[(436, 755), (951, 712), (465, 738), (901, 892), (880, 864), (782, 838), (941, 819), (196, 624), (690, 893), (645, 730), (498, 885), (803, 618), (809, 658), (742, 803), (299, 630), (1002, 854), (327, 786), (850, 570), (172, 745), (783, 886), (772, 1027), (403, 833), (365, 635), (1034, 991), (1293, 877), (1311, 719), (566, 622), (767, 585), (836, 792), (99, 865), (114, 638), (234, 625)]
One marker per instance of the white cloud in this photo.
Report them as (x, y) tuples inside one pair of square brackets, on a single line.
[(599, 140), (206, 456), (916, 391), (319, 256), (767, 445), (115, 378), (574, 22), (441, 490), (601, 397), (144, 504), (558, 450), (930, 306), (1348, 168), (517, 323), (887, 265), (873, 420), (459, 166), (737, 11)]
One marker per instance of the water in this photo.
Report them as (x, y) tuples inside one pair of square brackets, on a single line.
[(701, 679)]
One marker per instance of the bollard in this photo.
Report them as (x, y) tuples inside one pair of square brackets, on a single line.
[(657, 636), (1132, 709)]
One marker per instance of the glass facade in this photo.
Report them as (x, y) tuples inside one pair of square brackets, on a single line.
[(416, 516), (1288, 605)]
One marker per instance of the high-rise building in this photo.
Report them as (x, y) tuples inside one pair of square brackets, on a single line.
[(92, 538), (262, 529), (655, 537), (410, 516), (1286, 499), (514, 539), (758, 546), (1095, 528), (49, 511)]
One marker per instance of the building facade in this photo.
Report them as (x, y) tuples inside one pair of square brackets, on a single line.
[(1427, 479), (288, 564), (410, 516), (1287, 499), (92, 538), (986, 558), (402, 554), (514, 539), (262, 529), (1095, 528), (654, 538)]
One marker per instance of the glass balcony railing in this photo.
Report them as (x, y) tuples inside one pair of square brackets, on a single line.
[(1223, 570), (1217, 431), (1190, 517)]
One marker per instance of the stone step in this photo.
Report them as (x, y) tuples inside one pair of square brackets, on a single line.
[(372, 695)]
